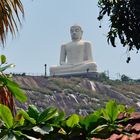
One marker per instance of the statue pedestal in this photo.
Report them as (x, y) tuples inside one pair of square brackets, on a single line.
[(90, 75), (76, 69)]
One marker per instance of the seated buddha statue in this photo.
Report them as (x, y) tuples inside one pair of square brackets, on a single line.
[(76, 56)]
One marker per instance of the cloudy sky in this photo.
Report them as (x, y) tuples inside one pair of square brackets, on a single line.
[(46, 27)]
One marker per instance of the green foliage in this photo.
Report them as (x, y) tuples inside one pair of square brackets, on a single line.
[(33, 112), (8, 88), (72, 120), (3, 59), (14, 89), (111, 112), (3, 62), (6, 67), (124, 21), (103, 121), (47, 115), (103, 77), (52, 124), (43, 130), (6, 116), (25, 115), (91, 121), (125, 78)]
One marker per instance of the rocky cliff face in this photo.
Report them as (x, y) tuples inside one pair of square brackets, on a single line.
[(74, 95)]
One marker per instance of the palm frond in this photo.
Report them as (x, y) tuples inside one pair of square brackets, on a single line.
[(10, 13)]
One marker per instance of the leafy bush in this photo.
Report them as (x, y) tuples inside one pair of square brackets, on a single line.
[(54, 125), (8, 88)]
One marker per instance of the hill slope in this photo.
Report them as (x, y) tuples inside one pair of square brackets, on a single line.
[(76, 95)]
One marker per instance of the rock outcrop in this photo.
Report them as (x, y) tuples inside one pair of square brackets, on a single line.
[(73, 95)]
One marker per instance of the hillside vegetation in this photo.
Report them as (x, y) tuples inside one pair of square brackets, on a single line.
[(77, 95)]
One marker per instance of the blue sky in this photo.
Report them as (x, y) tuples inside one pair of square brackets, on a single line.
[(46, 27)]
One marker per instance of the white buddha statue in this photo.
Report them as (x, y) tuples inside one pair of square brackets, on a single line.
[(75, 56)]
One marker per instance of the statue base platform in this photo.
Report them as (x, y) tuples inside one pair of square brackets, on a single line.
[(90, 75)]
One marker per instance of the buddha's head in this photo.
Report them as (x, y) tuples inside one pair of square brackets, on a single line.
[(76, 32)]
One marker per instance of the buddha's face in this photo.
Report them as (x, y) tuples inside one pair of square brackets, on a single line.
[(76, 32)]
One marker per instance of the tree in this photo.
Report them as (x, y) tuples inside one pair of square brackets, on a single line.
[(103, 76), (124, 16), (9, 17), (125, 78)]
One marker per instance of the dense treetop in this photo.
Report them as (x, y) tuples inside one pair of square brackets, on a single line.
[(124, 17)]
